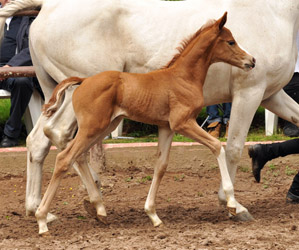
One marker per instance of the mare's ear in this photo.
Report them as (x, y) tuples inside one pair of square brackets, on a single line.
[(222, 21)]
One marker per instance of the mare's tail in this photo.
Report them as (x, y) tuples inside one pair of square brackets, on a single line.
[(14, 6), (56, 99)]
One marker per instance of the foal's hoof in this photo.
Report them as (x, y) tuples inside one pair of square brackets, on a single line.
[(161, 225), (46, 235), (232, 210), (102, 219), (89, 208), (243, 216), (51, 217)]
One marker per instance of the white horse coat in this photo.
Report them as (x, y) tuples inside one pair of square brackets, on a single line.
[(75, 38)]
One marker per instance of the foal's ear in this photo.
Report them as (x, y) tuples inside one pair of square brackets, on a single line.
[(222, 21)]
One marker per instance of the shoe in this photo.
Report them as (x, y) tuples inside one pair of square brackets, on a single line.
[(8, 142), (226, 129), (293, 196), (290, 130), (214, 129), (258, 160)]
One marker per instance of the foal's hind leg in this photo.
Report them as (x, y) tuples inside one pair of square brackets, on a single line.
[(89, 207), (95, 197), (165, 139), (84, 139), (60, 132), (64, 161)]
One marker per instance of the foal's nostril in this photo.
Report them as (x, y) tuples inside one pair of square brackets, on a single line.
[(253, 60)]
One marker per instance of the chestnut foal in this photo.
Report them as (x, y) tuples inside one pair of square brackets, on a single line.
[(171, 98)]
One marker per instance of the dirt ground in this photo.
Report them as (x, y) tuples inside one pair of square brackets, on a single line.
[(187, 203)]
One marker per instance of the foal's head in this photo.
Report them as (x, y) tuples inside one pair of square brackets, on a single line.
[(226, 49)]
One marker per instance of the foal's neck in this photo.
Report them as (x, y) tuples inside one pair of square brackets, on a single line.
[(196, 59)]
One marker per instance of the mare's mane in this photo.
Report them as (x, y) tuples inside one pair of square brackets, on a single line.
[(184, 44)]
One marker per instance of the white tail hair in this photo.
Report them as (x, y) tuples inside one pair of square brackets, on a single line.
[(14, 6)]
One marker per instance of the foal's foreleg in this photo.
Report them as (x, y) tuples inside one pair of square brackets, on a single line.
[(191, 129), (165, 139)]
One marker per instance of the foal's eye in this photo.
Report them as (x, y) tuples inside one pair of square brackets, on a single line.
[(231, 43)]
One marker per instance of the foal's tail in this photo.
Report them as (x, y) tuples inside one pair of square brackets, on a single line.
[(14, 6), (56, 99)]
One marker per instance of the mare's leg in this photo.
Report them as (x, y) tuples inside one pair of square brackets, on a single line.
[(37, 143), (241, 117), (165, 139), (284, 106), (191, 129), (38, 146), (97, 158)]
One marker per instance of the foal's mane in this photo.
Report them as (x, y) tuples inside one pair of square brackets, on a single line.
[(184, 44)]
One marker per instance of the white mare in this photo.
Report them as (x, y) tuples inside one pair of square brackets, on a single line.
[(76, 38)]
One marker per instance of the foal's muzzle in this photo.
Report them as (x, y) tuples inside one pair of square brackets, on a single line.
[(250, 65)]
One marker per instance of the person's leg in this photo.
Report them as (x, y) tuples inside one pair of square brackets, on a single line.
[(226, 109), (21, 90), (292, 89), (293, 193), (214, 121), (226, 115), (213, 114), (261, 153)]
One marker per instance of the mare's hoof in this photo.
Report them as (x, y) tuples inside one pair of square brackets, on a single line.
[(89, 208), (30, 213), (243, 216)]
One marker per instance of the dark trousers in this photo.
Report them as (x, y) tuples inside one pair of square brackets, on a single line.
[(282, 149), (214, 115), (21, 90), (292, 89)]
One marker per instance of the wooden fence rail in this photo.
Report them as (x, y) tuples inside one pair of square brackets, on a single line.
[(23, 71), (27, 13)]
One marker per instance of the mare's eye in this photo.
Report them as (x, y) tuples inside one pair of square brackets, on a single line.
[(231, 43)]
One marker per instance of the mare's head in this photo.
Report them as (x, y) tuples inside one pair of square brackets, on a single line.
[(226, 49)]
